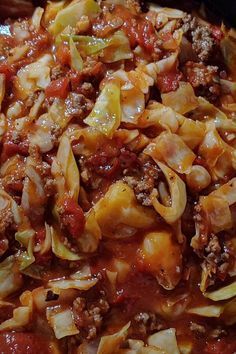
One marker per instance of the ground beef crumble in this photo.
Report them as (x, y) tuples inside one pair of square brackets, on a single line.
[(144, 182), (147, 322), (88, 316), (200, 36)]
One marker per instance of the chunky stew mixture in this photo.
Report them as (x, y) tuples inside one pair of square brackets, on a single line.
[(117, 181)]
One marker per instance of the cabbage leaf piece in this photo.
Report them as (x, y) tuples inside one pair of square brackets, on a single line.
[(10, 277), (59, 249), (75, 281), (25, 238), (111, 49), (35, 76), (89, 240), (62, 322), (106, 114), (68, 166), (72, 13), (165, 340), (172, 149), (224, 293), (119, 215), (111, 343), (183, 100), (21, 315), (177, 193), (207, 311), (76, 60)]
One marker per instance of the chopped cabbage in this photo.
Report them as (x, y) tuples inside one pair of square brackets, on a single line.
[(8, 203), (183, 100), (217, 212), (125, 215), (68, 166), (59, 249), (159, 116), (78, 280), (172, 149), (155, 251), (207, 311), (192, 132), (111, 49), (110, 344), (89, 240), (37, 17), (224, 293), (206, 110), (72, 13), (26, 238), (35, 76), (21, 315), (106, 113), (10, 277), (165, 340), (76, 60), (62, 322), (33, 195), (177, 193)]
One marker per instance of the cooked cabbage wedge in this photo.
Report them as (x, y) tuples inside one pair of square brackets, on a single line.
[(106, 113)]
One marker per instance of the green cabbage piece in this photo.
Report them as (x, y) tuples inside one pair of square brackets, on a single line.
[(76, 60), (224, 293), (71, 14), (106, 114), (10, 277), (25, 238), (207, 311), (111, 49), (110, 344), (59, 249)]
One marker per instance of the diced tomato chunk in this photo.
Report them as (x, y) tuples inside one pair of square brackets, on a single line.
[(72, 217), (169, 81), (23, 343), (217, 33), (10, 149), (58, 88)]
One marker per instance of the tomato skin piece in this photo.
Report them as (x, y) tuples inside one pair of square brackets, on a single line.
[(169, 81), (10, 149), (58, 88), (23, 343), (72, 217), (217, 33)]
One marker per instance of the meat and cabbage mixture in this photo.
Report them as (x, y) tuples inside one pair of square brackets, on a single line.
[(117, 181)]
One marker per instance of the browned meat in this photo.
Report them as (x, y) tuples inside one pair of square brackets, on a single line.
[(144, 183), (89, 316), (146, 322), (199, 74), (78, 105)]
